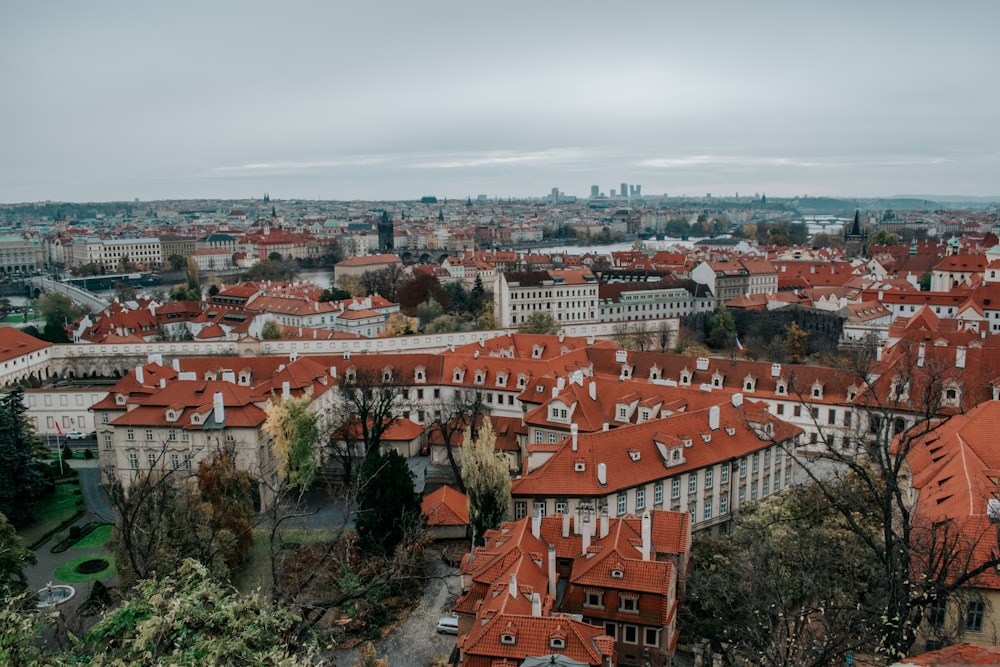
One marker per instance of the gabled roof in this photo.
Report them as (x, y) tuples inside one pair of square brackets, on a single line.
[(15, 343), (445, 506)]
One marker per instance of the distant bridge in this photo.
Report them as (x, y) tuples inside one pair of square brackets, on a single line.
[(38, 285)]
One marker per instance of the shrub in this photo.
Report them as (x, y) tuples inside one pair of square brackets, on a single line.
[(74, 531), (88, 454)]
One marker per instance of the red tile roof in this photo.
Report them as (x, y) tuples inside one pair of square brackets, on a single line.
[(445, 506)]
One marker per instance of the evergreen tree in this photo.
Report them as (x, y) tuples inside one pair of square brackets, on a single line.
[(721, 329), (388, 505), (22, 474), (477, 297)]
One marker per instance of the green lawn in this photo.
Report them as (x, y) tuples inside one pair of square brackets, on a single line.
[(67, 572), (52, 510), (95, 538)]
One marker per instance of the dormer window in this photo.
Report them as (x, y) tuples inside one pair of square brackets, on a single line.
[(781, 388), (119, 399), (458, 375), (419, 374), (634, 454), (387, 374), (508, 639), (521, 381), (617, 574), (643, 415), (480, 377), (557, 643), (717, 379), (749, 383), (579, 465), (501, 379), (626, 372), (536, 351), (622, 412), (817, 390), (685, 378)]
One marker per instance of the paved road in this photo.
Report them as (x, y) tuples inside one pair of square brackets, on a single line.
[(94, 496), (415, 643)]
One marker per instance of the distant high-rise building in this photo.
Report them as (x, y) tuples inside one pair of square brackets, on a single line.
[(595, 191), (555, 195), (624, 189), (613, 193)]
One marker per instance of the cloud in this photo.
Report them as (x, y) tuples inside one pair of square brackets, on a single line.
[(744, 162)]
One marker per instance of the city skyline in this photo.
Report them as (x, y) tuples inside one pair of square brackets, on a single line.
[(113, 101)]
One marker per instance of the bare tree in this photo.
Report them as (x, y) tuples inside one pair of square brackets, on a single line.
[(454, 418), (369, 402), (897, 401)]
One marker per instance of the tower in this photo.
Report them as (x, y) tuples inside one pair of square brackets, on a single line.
[(385, 233)]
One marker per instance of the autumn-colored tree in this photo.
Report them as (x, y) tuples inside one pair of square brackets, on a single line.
[(413, 292), (796, 343), (292, 425), (230, 494), (369, 658), (486, 477), (399, 324)]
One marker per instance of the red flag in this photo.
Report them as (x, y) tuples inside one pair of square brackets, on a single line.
[(58, 430)]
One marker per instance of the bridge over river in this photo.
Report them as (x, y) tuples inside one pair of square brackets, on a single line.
[(37, 285)]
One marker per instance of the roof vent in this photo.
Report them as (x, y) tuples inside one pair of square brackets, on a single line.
[(621, 356)]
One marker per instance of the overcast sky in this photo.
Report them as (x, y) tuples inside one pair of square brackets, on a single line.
[(395, 100)]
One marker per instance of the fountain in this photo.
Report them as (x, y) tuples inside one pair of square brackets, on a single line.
[(50, 596)]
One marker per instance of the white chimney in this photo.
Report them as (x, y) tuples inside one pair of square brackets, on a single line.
[(155, 359), (229, 376), (294, 355), (565, 531), (621, 356), (921, 352), (139, 377), (775, 370), (512, 586), (606, 426), (561, 383), (536, 524), (737, 400), (552, 569), (713, 418), (218, 408), (701, 363), (602, 474), (286, 390), (562, 336), (555, 391), (573, 430), (163, 383), (593, 390), (960, 357), (586, 535), (176, 365), (536, 605), (475, 355), (333, 371), (878, 353), (646, 535), (605, 523)]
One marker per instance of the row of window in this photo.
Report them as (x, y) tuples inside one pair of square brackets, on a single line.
[(153, 460)]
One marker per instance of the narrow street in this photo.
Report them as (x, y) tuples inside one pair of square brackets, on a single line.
[(415, 642)]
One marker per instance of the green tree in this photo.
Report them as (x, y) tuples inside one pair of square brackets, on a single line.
[(796, 343), (59, 311), (925, 282), (176, 262), (189, 618), (14, 556), (388, 505), (486, 478), (272, 330), (539, 323), (292, 425), (334, 294), (23, 480), (883, 237), (721, 330), (477, 297)]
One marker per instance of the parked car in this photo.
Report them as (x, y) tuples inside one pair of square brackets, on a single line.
[(77, 435), (447, 625)]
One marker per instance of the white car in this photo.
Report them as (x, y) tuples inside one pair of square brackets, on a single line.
[(77, 435), (447, 625)]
